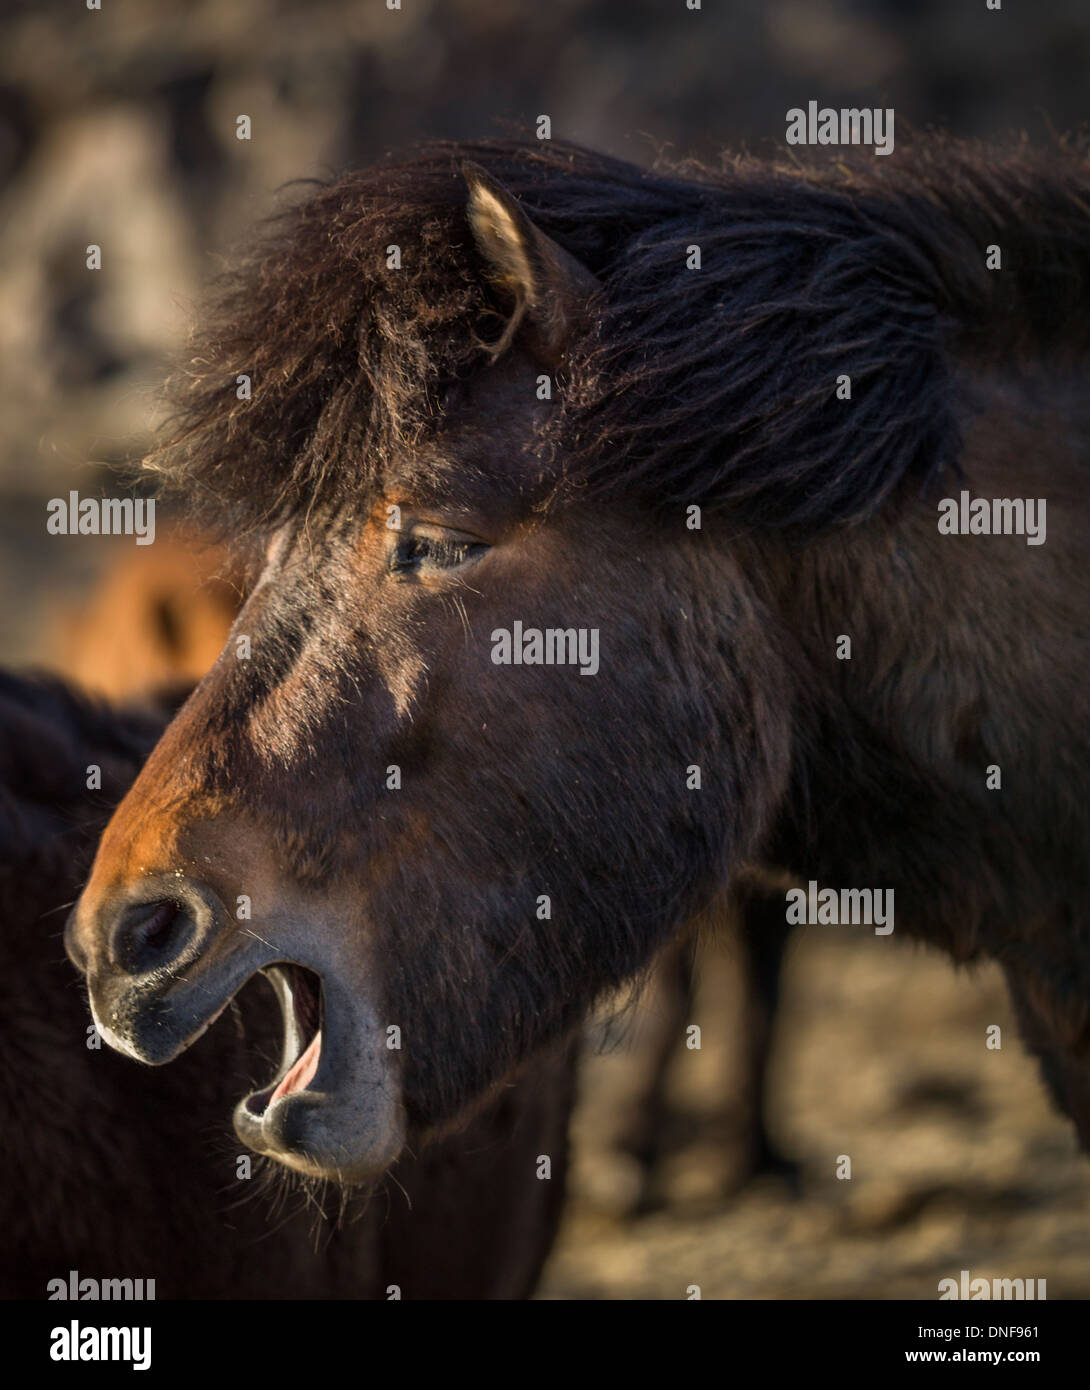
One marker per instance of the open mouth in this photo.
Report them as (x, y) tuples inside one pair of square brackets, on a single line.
[(302, 1007), (334, 1107)]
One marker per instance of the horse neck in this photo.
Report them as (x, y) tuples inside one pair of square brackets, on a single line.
[(919, 660)]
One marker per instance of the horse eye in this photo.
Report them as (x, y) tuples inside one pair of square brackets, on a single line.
[(420, 551)]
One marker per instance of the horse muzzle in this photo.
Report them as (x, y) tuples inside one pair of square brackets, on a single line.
[(163, 964)]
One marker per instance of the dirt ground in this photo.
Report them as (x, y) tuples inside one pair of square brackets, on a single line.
[(958, 1160)]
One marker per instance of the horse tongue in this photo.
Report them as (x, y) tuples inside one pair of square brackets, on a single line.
[(301, 1073)]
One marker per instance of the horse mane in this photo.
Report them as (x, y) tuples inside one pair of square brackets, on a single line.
[(714, 386)]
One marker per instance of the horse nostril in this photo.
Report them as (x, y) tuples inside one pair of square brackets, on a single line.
[(148, 936)]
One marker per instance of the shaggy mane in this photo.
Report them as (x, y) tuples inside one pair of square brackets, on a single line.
[(714, 386)]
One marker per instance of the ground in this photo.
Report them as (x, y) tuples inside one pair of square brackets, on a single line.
[(958, 1160)]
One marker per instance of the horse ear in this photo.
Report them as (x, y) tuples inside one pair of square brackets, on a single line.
[(549, 289)]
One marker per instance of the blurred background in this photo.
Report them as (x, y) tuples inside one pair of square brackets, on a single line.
[(118, 128)]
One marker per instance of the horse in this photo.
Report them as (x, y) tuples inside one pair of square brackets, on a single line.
[(154, 621), (608, 558), (114, 1175)]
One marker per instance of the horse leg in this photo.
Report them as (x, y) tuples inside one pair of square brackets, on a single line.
[(670, 996), (1055, 1027), (762, 933), (642, 1130)]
